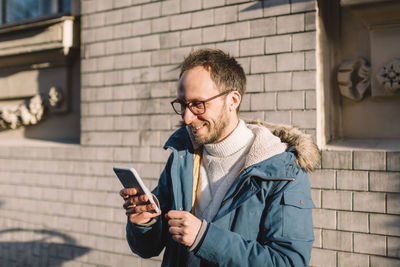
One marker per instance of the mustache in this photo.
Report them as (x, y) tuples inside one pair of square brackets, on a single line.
[(181, 124)]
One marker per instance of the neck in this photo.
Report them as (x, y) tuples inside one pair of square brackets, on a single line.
[(238, 139), (229, 129)]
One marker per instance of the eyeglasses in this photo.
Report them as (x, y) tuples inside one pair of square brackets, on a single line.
[(196, 107)]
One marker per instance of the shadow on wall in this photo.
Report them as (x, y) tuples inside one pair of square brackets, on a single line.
[(394, 229), (38, 248), (272, 3), (62, 125)]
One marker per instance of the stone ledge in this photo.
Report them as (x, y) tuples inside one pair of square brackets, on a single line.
[(349, 144), (360, 2), (58, 33)]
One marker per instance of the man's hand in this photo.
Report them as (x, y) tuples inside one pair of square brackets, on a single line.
[(137, 207), (183, 226)]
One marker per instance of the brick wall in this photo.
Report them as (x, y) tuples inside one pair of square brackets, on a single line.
[(357, 216), (59, 203)]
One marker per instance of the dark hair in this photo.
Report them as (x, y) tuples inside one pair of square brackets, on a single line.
[(224, 70)]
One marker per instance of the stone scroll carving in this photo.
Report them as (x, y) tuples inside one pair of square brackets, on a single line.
[(389, 76), (353, 78), (30, 112)]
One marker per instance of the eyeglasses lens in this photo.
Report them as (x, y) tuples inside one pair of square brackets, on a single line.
[(196, 108), (178, 107)]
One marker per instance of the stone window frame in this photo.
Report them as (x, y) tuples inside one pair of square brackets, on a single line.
[(329, 115)]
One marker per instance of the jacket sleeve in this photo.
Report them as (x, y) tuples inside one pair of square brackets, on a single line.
[(285, 235), (148, 241)]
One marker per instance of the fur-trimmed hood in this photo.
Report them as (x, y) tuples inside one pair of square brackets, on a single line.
[(307, 153)]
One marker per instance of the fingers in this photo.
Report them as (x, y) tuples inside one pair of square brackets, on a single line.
[(129, 203), (175, 223), (135, 200), (143, 217), (179, 231), (183, 226), (178, 227), (140, 209), (127, 192), (137, 206), (176, 214), (184, 239)]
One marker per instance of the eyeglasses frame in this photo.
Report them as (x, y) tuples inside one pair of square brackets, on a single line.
[(187, 104)]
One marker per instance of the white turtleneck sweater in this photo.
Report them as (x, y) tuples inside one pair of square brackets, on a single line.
[(220, 165)]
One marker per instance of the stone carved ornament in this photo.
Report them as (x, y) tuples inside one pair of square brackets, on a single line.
[(30, 112), (389, 76), (353, 78)]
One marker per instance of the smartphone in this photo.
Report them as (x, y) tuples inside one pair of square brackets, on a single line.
[(130, 178)]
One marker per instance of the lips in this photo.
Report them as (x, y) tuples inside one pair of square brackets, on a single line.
[(195, 129)]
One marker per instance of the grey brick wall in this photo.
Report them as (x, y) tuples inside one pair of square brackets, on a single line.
[(353, 222), (59, 203)]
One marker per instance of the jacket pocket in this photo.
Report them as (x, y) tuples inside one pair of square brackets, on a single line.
[(297, 215)]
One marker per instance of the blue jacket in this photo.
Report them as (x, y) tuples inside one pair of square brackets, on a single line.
[(265, 218)]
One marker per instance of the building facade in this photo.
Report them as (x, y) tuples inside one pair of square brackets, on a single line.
[(88, 86)]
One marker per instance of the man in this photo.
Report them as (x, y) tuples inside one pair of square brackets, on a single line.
[(232, 193)]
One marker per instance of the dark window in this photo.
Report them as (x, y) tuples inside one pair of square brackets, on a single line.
[(19, 10)]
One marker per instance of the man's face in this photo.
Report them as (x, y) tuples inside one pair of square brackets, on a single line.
[(211, 126)]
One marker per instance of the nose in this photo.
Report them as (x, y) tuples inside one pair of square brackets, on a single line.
[(188, 116)]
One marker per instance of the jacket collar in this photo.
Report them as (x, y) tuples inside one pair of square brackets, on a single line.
[(179, 140), (265, 144)]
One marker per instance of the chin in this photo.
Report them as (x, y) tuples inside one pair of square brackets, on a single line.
[(208, 139), (200, 141)]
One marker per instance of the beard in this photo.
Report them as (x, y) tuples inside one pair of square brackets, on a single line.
[(215, 129)]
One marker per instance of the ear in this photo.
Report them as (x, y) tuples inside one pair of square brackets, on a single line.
[(235, 99)]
